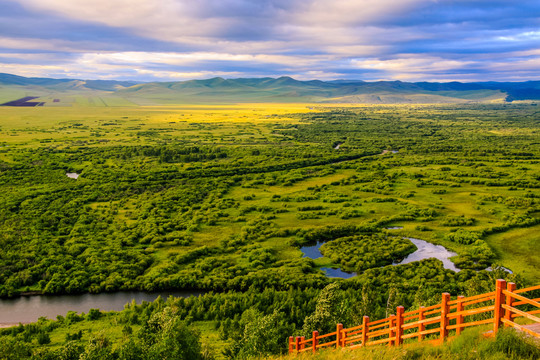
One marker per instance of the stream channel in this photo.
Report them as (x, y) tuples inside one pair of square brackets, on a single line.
[(425, 250), (26, 309)]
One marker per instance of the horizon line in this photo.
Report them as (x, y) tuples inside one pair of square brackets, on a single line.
[(270, 77)]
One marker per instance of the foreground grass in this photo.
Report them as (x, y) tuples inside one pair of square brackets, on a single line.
[(508, 344)]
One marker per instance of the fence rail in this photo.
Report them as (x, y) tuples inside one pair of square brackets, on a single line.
[(434, 323)]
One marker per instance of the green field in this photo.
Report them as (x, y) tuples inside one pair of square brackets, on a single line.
[(221, 198)]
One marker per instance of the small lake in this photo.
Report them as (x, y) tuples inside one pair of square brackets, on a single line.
[(72, 175), (314, 252), (428, 250), (26, 309), (337, 273), (425, 250)]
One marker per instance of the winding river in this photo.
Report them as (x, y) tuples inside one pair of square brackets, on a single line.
[(425, 250), (314, 252), (428, 250), (26, 309)]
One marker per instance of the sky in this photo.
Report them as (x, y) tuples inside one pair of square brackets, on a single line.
[(175, 40)]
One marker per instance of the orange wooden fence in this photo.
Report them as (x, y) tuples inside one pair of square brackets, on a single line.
[(434, 323)]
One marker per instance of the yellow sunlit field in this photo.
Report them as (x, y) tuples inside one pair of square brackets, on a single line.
[(34, 124)]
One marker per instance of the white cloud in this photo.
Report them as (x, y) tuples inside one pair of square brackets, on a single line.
[(524, 36), (133, 58), (349, 12), (306, 38), (178, 76), (197, 22), (32, 70), (408, 63)]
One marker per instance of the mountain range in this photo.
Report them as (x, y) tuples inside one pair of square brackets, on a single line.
[(64, 92)]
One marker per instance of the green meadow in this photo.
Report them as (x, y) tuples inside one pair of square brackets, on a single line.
[(221, 198)]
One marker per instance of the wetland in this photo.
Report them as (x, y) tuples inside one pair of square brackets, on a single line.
[(239, 202)]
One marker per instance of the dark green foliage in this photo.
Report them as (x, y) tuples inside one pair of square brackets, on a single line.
[(165, 336), (10, 349), (259, 335), (93, 314), (463, 237), (458, 221), (43, 338), (331, 308), (358, 253)]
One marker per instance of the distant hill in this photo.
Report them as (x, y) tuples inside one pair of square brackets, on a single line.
[(64, 84), (282, 89)]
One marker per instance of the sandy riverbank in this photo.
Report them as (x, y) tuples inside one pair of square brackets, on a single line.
[(8, 325)]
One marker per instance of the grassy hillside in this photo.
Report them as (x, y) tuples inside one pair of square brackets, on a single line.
[(472, 345), (266, 90)]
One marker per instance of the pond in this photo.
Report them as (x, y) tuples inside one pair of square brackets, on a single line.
[(313, 252), (26, 309), (425, 250), (428, 250)]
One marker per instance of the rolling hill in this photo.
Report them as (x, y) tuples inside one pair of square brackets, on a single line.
[(67, 92)]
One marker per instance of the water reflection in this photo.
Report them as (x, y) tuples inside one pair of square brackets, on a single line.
[(425, 250), (314, 252), (27, 309), (337, 273), (428, 250)]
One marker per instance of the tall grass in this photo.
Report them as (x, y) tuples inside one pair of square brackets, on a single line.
[(508, 345)]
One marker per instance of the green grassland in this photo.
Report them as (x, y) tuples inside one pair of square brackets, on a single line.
[(456, 169), (221, 198)]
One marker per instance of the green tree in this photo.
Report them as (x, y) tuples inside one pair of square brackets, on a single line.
[(165, 336), (331, 308)]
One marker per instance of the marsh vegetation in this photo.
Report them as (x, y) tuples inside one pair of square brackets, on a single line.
[(222, 198)]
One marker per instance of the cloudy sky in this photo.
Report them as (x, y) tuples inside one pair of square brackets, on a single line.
[(146, 40)]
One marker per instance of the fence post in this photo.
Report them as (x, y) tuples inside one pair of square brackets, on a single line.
[(391, 333), (421, 326), (315, 341), (302, 342), (399, 325), (510, 287), (365, 330), (291, 341), (444, 314), (459, 319), (297, 343), (339, 329), (499, 300)]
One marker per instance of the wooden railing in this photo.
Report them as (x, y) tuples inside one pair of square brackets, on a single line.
[(434, 323)]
